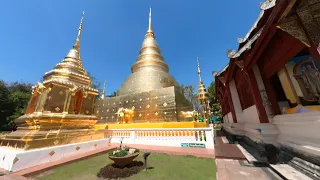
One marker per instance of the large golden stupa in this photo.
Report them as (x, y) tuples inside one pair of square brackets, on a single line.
[(148, 95), (61, 109)]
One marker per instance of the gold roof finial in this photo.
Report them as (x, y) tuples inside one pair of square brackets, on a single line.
[(76, 45), (150, 33), (199, 71), (150, 21)]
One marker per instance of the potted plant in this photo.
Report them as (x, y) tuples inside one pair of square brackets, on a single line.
[(123, 155)]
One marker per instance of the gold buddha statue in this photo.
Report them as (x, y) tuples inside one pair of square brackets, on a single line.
[(61, 109)]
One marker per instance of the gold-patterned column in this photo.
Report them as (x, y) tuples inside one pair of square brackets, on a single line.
[(65, 105), (43, 99)]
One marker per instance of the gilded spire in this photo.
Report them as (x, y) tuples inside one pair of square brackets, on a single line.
[(76, 45), (199, 71), (104, 90), (150, 54), (150, 33), (70, 70), (150, 22), (202, 95)]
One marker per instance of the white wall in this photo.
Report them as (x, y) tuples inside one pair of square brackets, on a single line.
[(250, 115), (164, 136), (300, 131)]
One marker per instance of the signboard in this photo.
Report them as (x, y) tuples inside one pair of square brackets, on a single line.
[(198, 145), (193, 145)]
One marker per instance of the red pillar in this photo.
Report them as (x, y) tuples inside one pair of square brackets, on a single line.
[(257, 97), (271, 95), (231, 103)]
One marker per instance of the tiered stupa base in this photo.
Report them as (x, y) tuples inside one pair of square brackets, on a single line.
[(39, 130)]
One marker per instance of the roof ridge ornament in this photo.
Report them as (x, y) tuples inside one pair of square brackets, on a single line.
[(267, 4)]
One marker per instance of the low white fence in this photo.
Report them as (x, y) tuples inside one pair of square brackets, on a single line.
[(176, 137)]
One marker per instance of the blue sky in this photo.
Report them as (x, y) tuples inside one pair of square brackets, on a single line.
[(35, 35)]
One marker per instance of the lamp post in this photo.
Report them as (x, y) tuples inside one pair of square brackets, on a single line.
[(145, 156)]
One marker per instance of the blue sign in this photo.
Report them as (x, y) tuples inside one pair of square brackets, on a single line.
[(184, 144), (194, 145)]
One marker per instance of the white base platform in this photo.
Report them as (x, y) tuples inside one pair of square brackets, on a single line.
[(15, 159)]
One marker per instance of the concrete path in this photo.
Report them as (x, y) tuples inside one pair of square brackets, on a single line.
[(228, 169)]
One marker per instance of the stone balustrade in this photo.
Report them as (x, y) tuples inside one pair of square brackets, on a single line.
[(176, 137)]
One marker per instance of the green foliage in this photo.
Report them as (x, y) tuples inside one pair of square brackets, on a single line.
[(94, 82), (127, 148), (191, 95), (214, 104), (13, 102), (120, 153), (136, 151)]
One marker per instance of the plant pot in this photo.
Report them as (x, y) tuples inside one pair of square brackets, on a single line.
[(123, 161)]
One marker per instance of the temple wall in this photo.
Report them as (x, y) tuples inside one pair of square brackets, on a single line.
[(55, 99), (87, 105), (228, 118), (236, 102), (250, 115), (162, 105)]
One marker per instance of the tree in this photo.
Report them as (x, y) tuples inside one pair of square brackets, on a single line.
[(216, 108), (112, 94), (13, 103), (189, 93), (94, 82)]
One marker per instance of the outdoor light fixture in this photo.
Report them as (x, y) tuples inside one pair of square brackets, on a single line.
[(145, 156)]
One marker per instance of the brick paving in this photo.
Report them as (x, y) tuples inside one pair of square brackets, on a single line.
[(228, 169), (227, 151)]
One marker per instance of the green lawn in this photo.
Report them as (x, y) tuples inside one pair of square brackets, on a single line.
[(163, 167)]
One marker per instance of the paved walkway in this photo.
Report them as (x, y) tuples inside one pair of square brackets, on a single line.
[(228, 169)]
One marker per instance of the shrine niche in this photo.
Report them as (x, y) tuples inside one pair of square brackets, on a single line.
[(304, 75)]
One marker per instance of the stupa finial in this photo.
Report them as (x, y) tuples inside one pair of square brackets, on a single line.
[(104, 90), (199, 71), (150, 21), (150, 33), (76, 45)]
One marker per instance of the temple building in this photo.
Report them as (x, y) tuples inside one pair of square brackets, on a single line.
[(61, 109), (148, 95), (270, 90)]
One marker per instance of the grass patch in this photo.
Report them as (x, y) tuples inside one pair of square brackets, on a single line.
[(161, 166)]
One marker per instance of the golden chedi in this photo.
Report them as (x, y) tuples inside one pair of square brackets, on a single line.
[(61, 109), (148, 95), (202, 94)]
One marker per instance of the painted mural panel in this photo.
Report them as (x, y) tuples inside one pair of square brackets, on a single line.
[(304, 80)]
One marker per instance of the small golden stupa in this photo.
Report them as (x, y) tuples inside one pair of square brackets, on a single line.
[(150, 93), (61, 109), (202, 94)]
